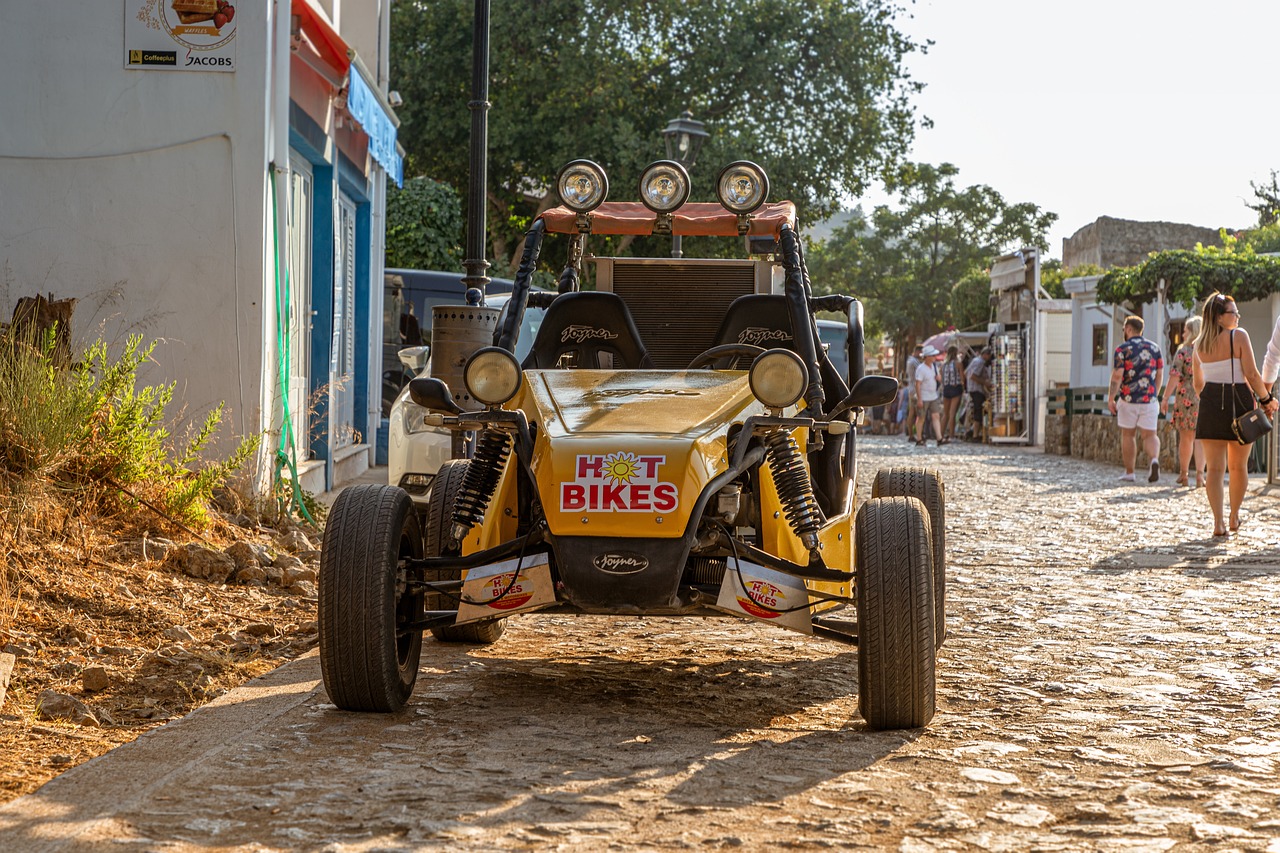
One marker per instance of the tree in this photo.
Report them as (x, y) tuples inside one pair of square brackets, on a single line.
[(424, 226), (904, 262), (1268, 200), (819, 96)]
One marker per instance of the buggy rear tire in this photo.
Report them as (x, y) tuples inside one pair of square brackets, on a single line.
[(367, 661), (926, 485), (897, 659), (444, 494)]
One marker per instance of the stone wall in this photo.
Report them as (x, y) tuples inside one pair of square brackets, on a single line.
[(1097, 437), (1110, 242)]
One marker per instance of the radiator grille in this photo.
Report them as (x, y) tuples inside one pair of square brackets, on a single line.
[(678, 306)]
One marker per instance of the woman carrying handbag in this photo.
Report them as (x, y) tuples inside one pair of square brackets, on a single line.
[(1226, 377)]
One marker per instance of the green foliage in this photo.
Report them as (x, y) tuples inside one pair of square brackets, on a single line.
[(971, 300), (818, 95), (424, 226), (1267, 200), (1265, 239), (1053, 274), (92, 426), (1233, 268), (904, 262)]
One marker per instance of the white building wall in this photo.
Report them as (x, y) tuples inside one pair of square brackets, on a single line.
[(143, 193)]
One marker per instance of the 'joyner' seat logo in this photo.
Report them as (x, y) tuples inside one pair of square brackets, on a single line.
[(619, 482), (582, 334)]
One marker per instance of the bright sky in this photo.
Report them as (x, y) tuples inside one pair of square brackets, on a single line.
[(1137, 109)]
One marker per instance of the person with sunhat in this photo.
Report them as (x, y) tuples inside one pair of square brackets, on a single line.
[(928, 400)]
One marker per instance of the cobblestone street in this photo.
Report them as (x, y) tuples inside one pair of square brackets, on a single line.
[(1109, 683)]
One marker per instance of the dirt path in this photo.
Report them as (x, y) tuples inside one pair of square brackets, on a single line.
[(1110, 683)]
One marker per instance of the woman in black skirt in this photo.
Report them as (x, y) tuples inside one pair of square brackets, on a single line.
[(1226, 376)]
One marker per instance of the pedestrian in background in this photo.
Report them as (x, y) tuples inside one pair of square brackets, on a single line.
[(928, 396), (1271, 368), (1136, 374), (1226, 377), (952, 391), (913, 362), (1185, 408), (978, 382)]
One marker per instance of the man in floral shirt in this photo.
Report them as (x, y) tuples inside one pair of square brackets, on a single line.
[(1133, 396)]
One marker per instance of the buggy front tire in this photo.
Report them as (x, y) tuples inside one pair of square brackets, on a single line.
[(926, 485), (897, 659), (444, 494), (368, 661)]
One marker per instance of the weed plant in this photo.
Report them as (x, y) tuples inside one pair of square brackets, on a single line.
[(91, 433)]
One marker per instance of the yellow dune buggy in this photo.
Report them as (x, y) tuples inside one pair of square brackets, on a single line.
[(675, 442)]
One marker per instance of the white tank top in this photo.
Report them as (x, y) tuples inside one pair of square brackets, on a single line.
[(1220, 371)]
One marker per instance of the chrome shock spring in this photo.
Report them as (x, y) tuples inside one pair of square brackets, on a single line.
[(794, 490), (492, 449)]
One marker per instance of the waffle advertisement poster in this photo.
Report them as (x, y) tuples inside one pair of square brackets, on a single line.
[(180, 35)]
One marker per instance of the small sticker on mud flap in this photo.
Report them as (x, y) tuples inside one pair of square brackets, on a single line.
[(499, 589), (765, 594)]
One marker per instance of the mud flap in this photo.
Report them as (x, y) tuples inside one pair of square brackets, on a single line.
[(762, 593), (499, 590)]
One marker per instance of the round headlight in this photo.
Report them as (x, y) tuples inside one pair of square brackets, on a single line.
[(582, 186), (778, 378), (492, 375), (664, 186), (742, 186)]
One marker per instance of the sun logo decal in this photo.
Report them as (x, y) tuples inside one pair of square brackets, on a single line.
[(621, 467)]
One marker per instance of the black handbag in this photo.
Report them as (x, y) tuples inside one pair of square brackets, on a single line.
[(1253, 424)]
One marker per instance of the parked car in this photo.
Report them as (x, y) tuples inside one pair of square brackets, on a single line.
[(415, 450), (674, 443), (834, 335), (408, 297)]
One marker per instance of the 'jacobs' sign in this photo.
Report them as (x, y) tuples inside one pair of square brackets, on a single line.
[(619, 482)]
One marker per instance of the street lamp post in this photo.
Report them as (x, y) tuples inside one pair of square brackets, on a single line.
[(683, 137)]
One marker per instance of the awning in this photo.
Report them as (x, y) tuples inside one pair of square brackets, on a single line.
[(704, 219), (1009, 272), (376, 121), (319, 44)]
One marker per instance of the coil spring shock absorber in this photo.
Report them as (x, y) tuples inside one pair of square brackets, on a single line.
[(492, 449), (794, 491)]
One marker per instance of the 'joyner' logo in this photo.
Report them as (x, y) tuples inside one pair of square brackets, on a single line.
[(579, 334), (622, 563), (619, 482), (757, 335)]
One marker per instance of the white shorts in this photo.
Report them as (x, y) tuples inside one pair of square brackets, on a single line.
[(1140, 415)]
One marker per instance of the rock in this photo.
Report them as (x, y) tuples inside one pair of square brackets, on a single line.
[(274, 575), (156, 549), (259, 629), (53, 705), (295, 541), (18, 650), (7, 661), (244, 555), (293, 576), (223, 638), (304, 588), (310, 557), (286, 562), (198, 561), (179, 634), (66, 669), (94, 679), (250, 575)]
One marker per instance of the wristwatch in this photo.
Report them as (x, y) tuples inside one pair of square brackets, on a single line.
[(1267, 400)]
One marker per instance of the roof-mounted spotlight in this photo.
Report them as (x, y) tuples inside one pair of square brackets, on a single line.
[(582, 187), (664, 186), (742, 187)]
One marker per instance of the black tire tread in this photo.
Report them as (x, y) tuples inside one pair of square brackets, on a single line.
[(897, 659), (366, 532), (444, 493), (926, 485)]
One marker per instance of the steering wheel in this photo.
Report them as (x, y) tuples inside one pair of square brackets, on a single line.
[(733, 352)]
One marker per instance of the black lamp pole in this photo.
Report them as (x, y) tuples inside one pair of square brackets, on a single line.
[(477, 195), (683, 137)]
